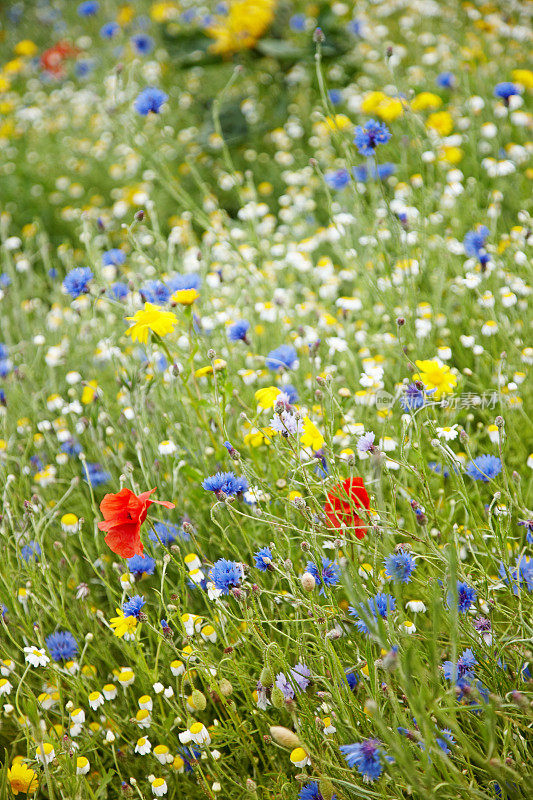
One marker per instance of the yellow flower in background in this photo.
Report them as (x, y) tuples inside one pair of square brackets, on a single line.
[(524, 77), (4, 83), (185, 297), (452, 155), (122, 625), (151, 318), (435, 375), (441, 122), (218, 364), (244, 23), (164, 12), (125, 15), (90, 391), (311, 437), (259, 436), (390, 109), (265, 398), (25, 48), (22, 778), (385, 107), (426, 100), (339, 122)]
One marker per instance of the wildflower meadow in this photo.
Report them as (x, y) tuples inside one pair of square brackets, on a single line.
[(266, 451)]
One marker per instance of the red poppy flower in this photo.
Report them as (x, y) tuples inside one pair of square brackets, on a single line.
[(342, 501), (53, 58), (124, 513)]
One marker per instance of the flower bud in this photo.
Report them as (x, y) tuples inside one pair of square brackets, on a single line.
[(308, 582), (285, 737)]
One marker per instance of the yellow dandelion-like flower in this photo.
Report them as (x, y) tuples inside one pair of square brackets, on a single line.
[(151, 318), (122, 624), (22, 778), (311, 437), (185, 297), (435, 375)]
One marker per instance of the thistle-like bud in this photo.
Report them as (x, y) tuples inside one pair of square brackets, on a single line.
[(308, 582), (285, 737)]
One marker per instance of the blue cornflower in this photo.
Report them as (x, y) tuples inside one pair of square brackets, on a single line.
[(365, 442), (225, 483), (133, 606), (142, 44), (6, 365), (366, 756), (444, 740), (351, 679), (165, 627), (474, 244), (113, 258), (95, 474), (446, 80), (464, 670), (120, 290), (83, 68), (109, 30), (414, 397), (368, 138), (77, 281), (291, 393), (337, 179), (378, 606), (522, 574), (260, 556), (141, 565), (335, 96), (283, 357), (484, 468), (88, 8), (154, 292), (298, 22), (226, 575), (505, 90), (237, 331), (329, 574), (31, 551), (62, 645), (464, 597), (312, 792), (528, 525), (400, 567), (186, 280), (363, 172), (149, 100), (71, 447), (167, 532), (5, 280)]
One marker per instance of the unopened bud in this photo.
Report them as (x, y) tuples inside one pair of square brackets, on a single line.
[(285, 737), (308, 582)]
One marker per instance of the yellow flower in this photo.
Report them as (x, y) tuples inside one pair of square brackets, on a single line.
[(125, 15), (524, 77), (90, 390), (256, 437), (185, 297), (22, 778), (378, 103), (390, 109), (122, 624), (242, 25), (452, 155), (151, 318), (311, 437), (25, 48), (218, 364), (441, 122), (435, 376), (164, 12), (265, 398), (339, 122), (372, 101), (426, 100)]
